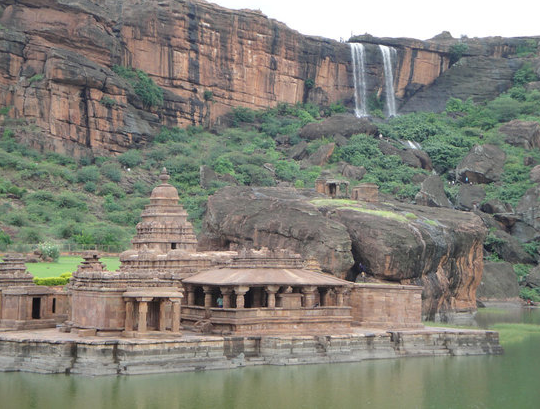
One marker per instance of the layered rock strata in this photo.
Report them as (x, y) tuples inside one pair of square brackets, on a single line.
[(56, 58)]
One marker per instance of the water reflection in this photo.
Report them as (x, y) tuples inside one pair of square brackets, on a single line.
[(508, 381)]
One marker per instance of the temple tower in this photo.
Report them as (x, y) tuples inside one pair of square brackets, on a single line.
[(164, 224)]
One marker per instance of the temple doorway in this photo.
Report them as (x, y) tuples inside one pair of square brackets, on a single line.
[(36, 308), (152, 319)]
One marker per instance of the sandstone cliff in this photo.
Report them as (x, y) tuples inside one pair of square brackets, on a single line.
[(440, 249), (56, 58)]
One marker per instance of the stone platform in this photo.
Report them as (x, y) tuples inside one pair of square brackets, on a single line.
[(51, 351)]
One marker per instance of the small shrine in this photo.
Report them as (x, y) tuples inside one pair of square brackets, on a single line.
[(25, 305)]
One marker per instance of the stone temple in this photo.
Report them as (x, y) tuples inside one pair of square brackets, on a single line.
[(172, 308), (164, 284)]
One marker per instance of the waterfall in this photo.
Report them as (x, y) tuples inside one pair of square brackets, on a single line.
[(387, 53), (359, 72)]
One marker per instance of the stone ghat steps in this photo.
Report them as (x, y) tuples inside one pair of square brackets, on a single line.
[(48, 351)]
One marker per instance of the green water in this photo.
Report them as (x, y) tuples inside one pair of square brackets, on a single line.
[(508, 381)]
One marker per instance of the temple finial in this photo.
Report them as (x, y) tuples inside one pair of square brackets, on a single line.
[(164, 176)]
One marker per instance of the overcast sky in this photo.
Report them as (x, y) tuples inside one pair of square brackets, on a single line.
[(420, 19)]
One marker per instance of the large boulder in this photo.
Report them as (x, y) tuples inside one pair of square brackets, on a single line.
[(343, 124), (533, 278), (529, 207), (440, 249), (322, 154), (525, 134), (412, 157), (276, 218), (499, 283), (208, 177), (470, 196), (432, 193), (534, 175), (483, 164), (351, 171)]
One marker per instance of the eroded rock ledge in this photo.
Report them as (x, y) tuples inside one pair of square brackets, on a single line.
[(440, 249)]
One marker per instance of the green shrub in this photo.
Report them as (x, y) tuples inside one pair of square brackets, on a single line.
[(50, 250), (111, 171), (16, 218), (532, 294), (90, 187), (108, 102), (287, 170), (131, 158), (527, 48), (36, 78), (242, 114), (145, 87), (223, 165), (5, 240), (111, 189), (30, 235), (456, 52), (142, 188), (525, 74), (52, 281), (88, 174), (522, 271), (71, 200), (208, 95), (172, 135)]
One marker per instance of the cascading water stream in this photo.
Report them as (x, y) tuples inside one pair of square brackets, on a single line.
[(359, 72), (387, 53)]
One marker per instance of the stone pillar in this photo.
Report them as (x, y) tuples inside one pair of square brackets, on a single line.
[(207, 296), (129, 315), (309, 296), (257, 297), (143, 310), (226, 294), (240, 291), (162, 310), (175, 326), (339, 296), (190, 295), (271, 290)]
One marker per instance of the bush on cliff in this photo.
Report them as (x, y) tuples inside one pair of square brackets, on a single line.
[(150, 93)]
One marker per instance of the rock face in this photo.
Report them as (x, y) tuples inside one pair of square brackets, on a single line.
[(498, 283), (470, 197), (276, 218), (343, 124), (411, 157), (483, 164), (525, 134), (440, 249), (432, 193), (56, 58)]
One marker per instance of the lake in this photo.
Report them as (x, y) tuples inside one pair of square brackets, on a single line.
[(508, 381)]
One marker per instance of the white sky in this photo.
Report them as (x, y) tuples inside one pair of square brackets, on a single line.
[(421, 19)]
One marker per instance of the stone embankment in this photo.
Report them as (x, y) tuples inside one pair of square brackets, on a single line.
[(49, 351)]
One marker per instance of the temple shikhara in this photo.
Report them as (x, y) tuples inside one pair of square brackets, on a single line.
[(170, 307)]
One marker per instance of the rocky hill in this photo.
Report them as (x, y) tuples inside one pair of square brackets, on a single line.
[(57, 59)]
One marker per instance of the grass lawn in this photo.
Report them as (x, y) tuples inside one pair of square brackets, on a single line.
[(65, 264)]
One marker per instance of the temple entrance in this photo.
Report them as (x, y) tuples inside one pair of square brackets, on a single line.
[(36, 308), (152, 319), (332, 189)]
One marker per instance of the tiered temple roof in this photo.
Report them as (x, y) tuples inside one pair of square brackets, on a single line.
[(13, 271), (164, 224)]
